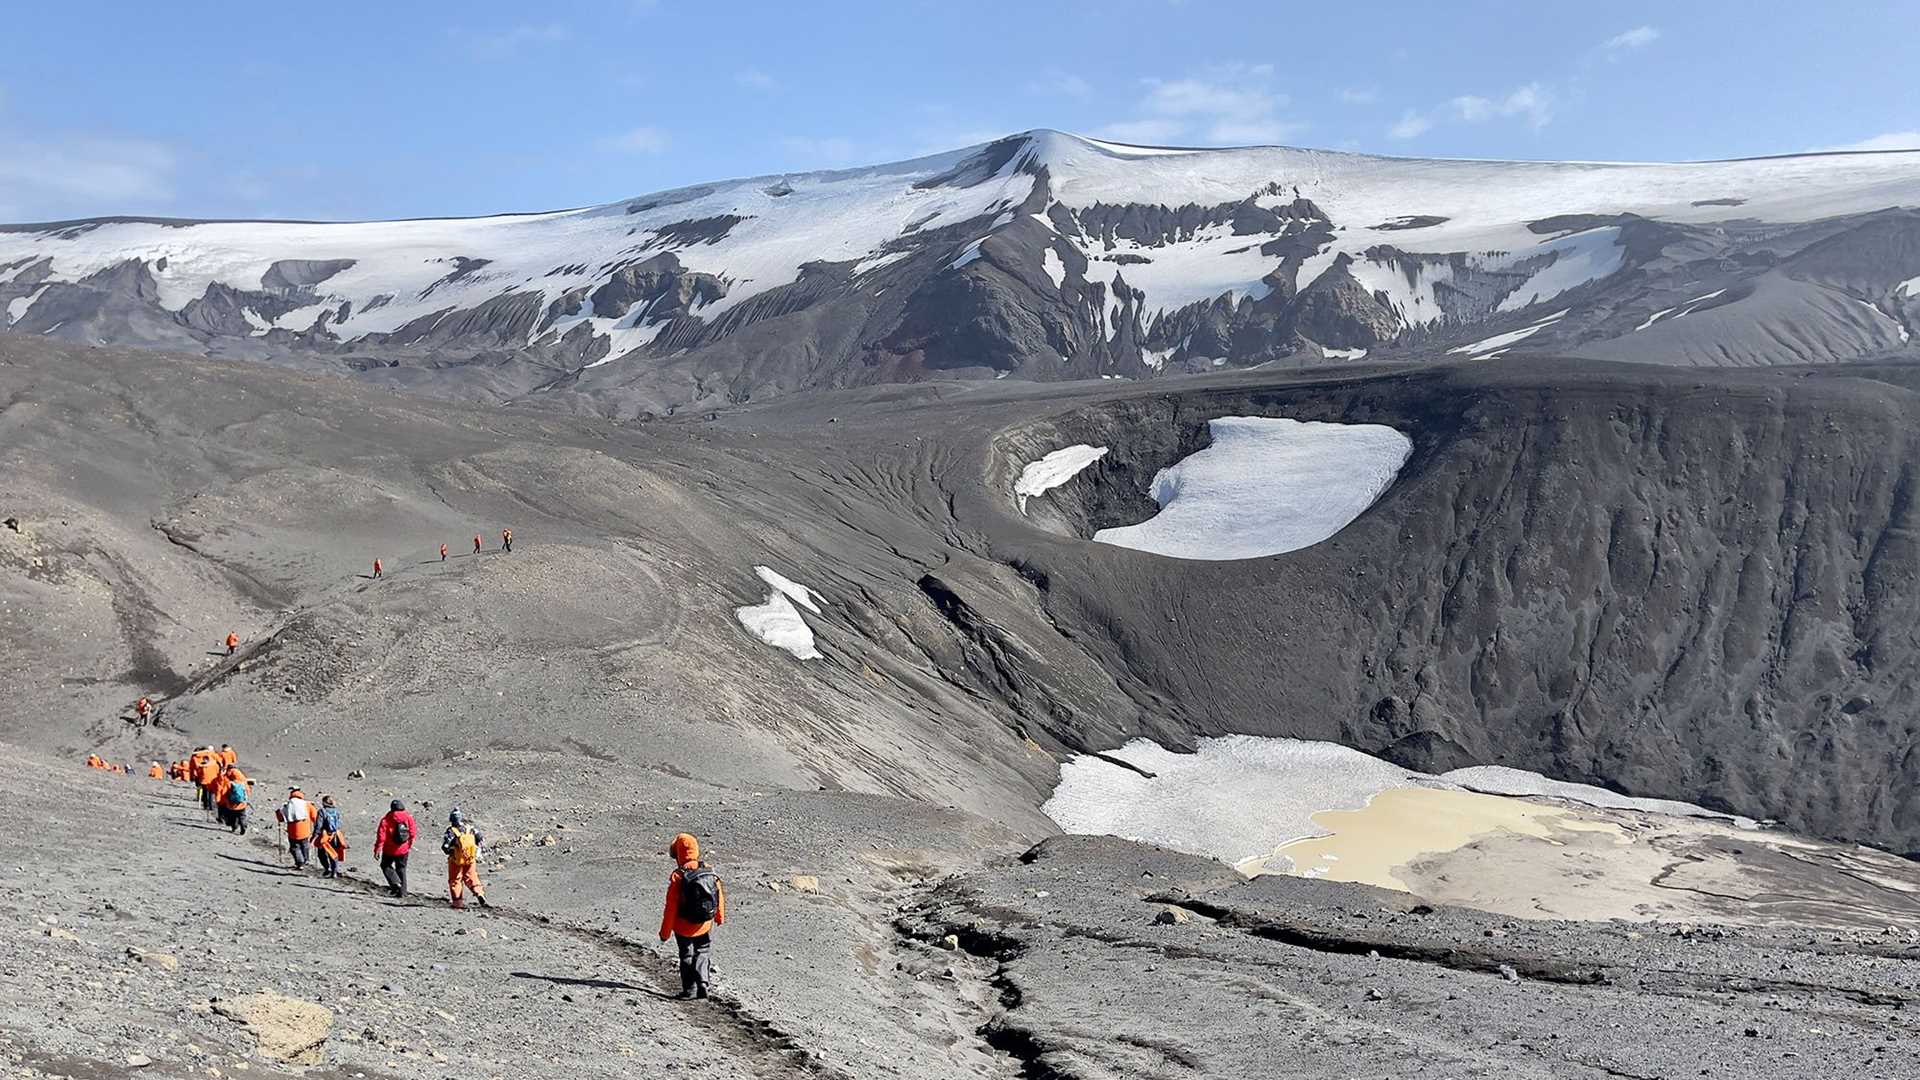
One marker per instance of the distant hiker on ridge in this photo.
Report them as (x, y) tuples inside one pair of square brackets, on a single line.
[(144, 710), (476, 543), (376, 569), (228, 755), (696, 903), (233, 642), (443, 553), (156, 772), (298, 817), (462, 845), (506, 540), (392, 842)]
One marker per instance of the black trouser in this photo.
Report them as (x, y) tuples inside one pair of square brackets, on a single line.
[(328, 864), (237, 820), (394, 868), (696, 962), (206, 798), (302, 851)]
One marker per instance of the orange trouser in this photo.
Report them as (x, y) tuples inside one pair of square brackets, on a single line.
[(458, 874)]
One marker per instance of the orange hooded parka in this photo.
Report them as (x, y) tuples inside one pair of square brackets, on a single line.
[(686, 852)]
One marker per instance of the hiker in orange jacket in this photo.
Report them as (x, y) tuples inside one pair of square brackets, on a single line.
[(156, 772), (228, 755), (220, 785), (234, 800), (462, 846), (329, 841), (696, 903), (233, 642), (95, 761), (205, 767), (476, 543)]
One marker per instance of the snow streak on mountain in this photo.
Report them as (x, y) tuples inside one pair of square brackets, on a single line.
[(1042, 256)]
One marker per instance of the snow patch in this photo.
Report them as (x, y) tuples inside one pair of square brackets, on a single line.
[(1265, 487), (1055, 266), (1241, 797), (1343, 354), (776, 621), (1056, 468), (1577, 260), (1485, 348), (18, 307)]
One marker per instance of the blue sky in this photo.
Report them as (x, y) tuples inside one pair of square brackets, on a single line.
[(350, 110)]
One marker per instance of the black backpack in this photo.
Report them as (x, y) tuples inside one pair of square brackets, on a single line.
[(699, 894), (401, 835)]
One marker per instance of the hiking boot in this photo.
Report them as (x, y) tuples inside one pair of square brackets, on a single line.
[(482, 899), (459, 905)]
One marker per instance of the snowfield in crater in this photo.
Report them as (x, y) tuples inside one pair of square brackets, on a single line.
[(1241, 797), (1266, 487), (776, 620), (1058, 467)]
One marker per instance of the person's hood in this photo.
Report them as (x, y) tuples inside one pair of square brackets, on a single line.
[(685, 849), (236, 776)]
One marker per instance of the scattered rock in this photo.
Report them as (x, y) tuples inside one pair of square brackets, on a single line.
[(287, 1029), (139, 1061), (1172, 916), (1374, 994), (163, 961), (804, 883), (357, 774), (951, 942), (1507, 973), (58, 934)]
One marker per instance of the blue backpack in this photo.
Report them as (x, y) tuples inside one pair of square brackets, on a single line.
[(237, 795)]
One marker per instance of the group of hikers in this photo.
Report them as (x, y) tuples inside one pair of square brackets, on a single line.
[(144, 709), (506, 548), (696, 900)]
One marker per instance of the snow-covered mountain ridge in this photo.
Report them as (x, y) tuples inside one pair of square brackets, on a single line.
[(1041, 255)]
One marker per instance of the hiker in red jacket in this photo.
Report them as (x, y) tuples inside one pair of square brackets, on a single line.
[(696, 903), (391, 842), (476, 543), (376, 568), (443, 553)]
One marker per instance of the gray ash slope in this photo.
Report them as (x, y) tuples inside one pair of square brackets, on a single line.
[(1692, 585), (1714, 572), (1041, 256)]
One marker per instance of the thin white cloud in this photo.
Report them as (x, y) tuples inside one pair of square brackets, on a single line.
[(755, 79), (1362, 95), (1412, 124), (73, 176), (512, 40), (1627, 40), (1892, 140), (820, 152), (1060, 84), (1225, 103), (1531, 104), (1144, 132), (640, 140)]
